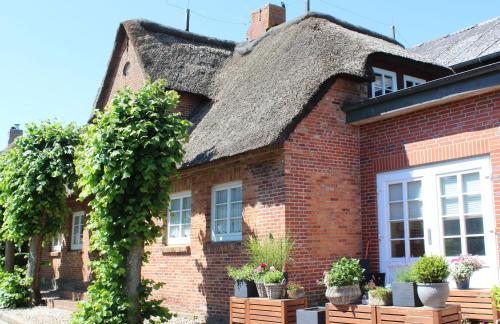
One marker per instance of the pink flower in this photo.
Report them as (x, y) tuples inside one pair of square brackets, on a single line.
[(272, 268)]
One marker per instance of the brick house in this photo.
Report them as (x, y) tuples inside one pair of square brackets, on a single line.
[(315, 127)]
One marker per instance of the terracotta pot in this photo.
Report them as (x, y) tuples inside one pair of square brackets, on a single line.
[(343, 295)]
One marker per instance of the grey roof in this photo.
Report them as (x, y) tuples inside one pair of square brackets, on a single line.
[(464, 45), (260, 90)]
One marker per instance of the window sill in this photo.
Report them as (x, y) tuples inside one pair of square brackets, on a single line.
[(176, 249), (55, 254), (223, 246)]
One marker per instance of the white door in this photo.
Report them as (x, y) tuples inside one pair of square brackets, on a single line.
[(443, 209)]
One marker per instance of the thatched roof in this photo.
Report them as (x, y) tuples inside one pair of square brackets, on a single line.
[(464, 45), (259, 91)]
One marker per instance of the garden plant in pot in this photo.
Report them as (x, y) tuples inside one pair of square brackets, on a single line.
[(342, 281), (380, 296), (404, 289), (274, 282), (244, 285), (295, 291), (462, 269), (258, 276), (431, 273)]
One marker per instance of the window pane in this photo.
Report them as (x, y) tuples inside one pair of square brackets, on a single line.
[(414, 189), (474, 225), (398, 249), (396, 210), (220, 226), (475, 245), (470, 182), (236, 210), (186, 216), (452, 246), (388, 84), (235, 226), (186, 231), (451, 226), (396, 192), (417, 248), (408, 84), (175, 204), (449, 206), (416, 229), (221, 212), (415, 209), (377, 85), (472, 204), (236, 194), (397, 230), (186, 203), (173, 231), (174, 218), (449, 186), (221, 197)]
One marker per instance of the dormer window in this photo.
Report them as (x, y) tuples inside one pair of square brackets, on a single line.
[(385, 82), (410, 81)]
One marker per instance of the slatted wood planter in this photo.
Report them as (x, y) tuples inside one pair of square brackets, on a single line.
[(265, 311), (418, 315), (359, 314), (476, 304)]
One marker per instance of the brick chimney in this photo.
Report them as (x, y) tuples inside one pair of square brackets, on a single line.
[(14, 132), (264, 18)]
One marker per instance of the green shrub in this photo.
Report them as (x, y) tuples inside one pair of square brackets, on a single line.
[(380, 292), (431, 269), (270, 250), (345, 272), (244, 273), (495, 295), (273, 277), (405, 275), (14, 289), (294, 286)]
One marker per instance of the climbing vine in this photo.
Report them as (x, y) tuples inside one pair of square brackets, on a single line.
[(125, 166)]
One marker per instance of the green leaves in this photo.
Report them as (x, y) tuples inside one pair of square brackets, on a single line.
[(345, 272), (125, 166), (431, 269)]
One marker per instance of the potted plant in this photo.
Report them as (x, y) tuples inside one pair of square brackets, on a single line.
[(462, 269), (274, 281), (342, 281), (431, 273), (258, 275), (295, 291), (244, 286), (380, 296), (404, 289)]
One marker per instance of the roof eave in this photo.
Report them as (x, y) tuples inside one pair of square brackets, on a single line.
[(451, 88)]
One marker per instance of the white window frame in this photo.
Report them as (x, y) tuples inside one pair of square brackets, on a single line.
[(57, 242), (179, 240), (412, 79), (383, 72), (81, 224), (227, 237)]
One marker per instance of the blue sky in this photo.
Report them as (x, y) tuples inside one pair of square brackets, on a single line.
[(54, 53)]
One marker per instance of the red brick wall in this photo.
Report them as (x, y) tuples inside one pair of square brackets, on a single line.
[(322, 187), (456, 130)]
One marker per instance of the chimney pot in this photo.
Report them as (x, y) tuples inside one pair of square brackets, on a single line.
[(14, 132), (264, 18)]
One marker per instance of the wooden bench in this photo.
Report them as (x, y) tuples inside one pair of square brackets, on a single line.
[(476, 304), (263, 310), (418, 315), (341, 314)]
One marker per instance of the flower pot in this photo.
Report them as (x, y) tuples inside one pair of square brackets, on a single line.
[(296, 293), (245, 289), (313, 315), (343, 295), (261, 289), (405, 294), (433, 294), (275, 290), (385, 300), (462, 284)]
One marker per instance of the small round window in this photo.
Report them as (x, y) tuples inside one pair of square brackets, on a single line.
[(126, 68)]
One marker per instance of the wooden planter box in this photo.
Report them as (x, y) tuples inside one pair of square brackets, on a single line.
[(263, 310), (476, 304), (359, 314), (419, 315)]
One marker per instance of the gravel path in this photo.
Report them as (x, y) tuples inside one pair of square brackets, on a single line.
[(36, 315)]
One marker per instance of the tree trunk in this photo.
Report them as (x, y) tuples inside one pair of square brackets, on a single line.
[(133, 280), (10, 250), (34, 260)]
